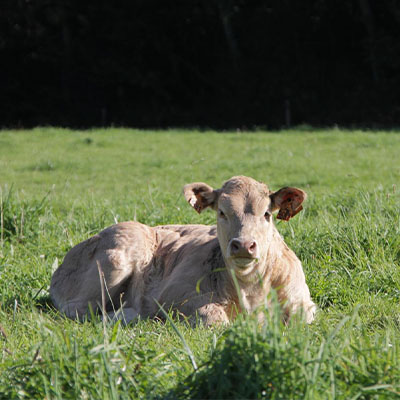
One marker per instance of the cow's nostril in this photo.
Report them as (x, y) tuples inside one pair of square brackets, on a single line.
[(235, 245), (252, 247)]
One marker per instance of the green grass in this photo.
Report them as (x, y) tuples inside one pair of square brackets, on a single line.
[(58, 187)]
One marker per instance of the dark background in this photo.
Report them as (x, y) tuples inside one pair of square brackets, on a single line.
[(204, 63)]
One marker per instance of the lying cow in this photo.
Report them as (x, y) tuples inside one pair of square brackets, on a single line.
[(200, 271)]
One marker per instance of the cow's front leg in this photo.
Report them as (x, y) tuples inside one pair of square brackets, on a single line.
[(213, 314), (195, 306), (298, 301), (310, 310), (124, 314)]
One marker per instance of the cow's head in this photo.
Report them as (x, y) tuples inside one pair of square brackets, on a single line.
[(244, 208)]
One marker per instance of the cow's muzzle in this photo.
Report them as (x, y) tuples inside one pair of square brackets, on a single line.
[(243, 251)]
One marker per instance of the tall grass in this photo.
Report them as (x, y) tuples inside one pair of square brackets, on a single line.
[(276, 362)]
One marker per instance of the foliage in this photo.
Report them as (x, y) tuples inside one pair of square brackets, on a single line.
[(276, 362), (192, 63)]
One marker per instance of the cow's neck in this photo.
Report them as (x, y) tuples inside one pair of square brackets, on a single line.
[(253, 289)]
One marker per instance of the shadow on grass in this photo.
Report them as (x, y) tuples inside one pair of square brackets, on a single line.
[(45, 304)]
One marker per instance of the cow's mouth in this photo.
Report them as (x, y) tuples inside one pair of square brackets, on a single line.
[(243, 262)]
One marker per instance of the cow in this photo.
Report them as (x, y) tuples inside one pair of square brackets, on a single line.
[(204, 273)]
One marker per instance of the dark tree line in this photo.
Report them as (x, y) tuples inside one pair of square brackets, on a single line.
[(217, 63)]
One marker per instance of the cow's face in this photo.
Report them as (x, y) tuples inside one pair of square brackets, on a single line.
[(244, 217)]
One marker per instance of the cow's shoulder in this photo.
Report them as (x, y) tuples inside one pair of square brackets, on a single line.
[(190, 249), (179, 242), (189, 231)]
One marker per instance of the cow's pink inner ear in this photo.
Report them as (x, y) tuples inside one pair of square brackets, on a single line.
[(200, 195), (288, 200)]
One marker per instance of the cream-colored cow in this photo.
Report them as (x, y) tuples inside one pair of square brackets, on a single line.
[(191, 268)]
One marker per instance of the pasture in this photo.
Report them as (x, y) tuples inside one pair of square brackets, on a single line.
[(59, 187)]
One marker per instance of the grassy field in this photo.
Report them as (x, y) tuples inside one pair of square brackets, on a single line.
[(58, 187)]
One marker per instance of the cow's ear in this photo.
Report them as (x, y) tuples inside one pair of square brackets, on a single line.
[(288, 201), (200, 195)]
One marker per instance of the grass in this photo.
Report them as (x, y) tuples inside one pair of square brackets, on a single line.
[(58, 187)]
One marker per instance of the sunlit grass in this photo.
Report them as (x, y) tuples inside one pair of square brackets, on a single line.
[(58, 187)]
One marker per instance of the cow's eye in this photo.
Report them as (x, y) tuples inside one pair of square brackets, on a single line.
[(267, 215), (221, 214)]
